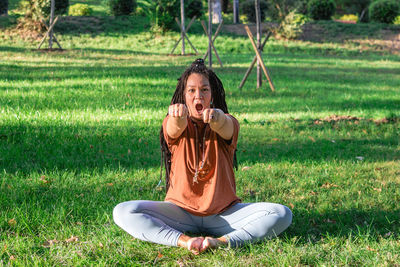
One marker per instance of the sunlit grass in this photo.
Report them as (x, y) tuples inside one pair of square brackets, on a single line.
[(79, 134)]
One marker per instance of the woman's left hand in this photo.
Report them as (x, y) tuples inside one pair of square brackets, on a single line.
[(212, 115)]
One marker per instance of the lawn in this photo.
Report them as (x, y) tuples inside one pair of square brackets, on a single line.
[(79, 134)]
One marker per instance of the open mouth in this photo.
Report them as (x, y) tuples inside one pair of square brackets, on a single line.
[(199, 108)]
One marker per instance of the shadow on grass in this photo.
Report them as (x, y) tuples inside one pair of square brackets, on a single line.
[(30, 148), (371, 223)]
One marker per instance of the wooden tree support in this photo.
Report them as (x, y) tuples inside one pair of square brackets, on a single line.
[(211, 41), (259, 59), (184, 35), (50, 34), (254, 61)]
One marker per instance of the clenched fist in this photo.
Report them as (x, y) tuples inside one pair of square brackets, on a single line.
[(212, 115), (178, 111)]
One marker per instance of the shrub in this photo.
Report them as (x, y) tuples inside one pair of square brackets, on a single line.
[(194, 8), (3, 7), (61, 7), (279, 9), (384, 11), (122, 7), (162, 13), (249, 10), (321, 9), (291, 26), (80, 10), (349, 17), (397, 21)]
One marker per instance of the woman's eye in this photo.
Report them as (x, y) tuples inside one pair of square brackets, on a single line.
[(206, 89)]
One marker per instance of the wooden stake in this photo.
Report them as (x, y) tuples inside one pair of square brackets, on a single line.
[(52, 9), (253, 62), (54, 36), (183, 27), (210, 43), (258, 24), (209, 33), (214, 37), (259, 58), (185, 36), (48, 32), (187, 29)]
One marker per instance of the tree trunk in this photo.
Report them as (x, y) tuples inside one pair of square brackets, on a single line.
[(3, 7), (217, 11), (235, 11)]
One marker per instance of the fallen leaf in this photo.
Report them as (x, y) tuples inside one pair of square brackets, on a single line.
[(79, 223), (330, 221), (328, 185), (378, 189), (129, 151), (49, 243), (109, 184), (291, 205), (43, 179), (275, 139), (160, 255), (245, 168), (312, 139), (101, 245), (12, 222), (72, 239), (370, 249), (180, 263), (313, 193), (12, 257), (388, 234)]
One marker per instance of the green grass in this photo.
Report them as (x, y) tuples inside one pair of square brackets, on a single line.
[(79, 134)]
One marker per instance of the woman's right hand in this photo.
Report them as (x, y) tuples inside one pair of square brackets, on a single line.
[(178, 111)]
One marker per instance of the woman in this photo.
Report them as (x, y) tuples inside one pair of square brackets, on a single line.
[(198, 140)]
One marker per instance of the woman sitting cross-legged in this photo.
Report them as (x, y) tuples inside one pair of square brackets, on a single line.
[(198, 139)]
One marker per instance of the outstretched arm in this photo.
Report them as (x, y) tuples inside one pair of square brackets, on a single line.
[(219, 122), (177, 120)]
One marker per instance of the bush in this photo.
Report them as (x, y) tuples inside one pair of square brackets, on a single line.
[(291, 26), (194, 8), (162, 13), (397, 21), (61, 7), (321, 9), (3, 7), (249, 10), (279, 9), (384, 11), (349, 17), (80, 10), (122, 7)]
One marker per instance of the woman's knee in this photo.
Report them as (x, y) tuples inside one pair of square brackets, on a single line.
[(285, 215), (123, 209)]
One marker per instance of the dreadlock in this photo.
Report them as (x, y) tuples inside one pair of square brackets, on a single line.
[(218, 101)]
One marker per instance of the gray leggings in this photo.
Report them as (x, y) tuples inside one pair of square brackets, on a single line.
[(164, 222)]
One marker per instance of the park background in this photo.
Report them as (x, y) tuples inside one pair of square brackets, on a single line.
[(79, 134)]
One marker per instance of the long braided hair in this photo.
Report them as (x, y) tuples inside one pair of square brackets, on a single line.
[(218, 101)]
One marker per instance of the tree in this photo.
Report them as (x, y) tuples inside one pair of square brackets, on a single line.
[(3, 7), (217, 11)]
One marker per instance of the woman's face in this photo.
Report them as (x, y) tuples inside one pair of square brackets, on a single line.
[(197, 95)]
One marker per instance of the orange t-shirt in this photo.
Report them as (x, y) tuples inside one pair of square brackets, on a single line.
[(216, 188)]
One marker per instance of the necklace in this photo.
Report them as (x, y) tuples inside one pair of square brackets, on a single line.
[(197, 169)]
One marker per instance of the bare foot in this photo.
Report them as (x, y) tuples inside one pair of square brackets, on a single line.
[(210, 242), (194, 244)]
